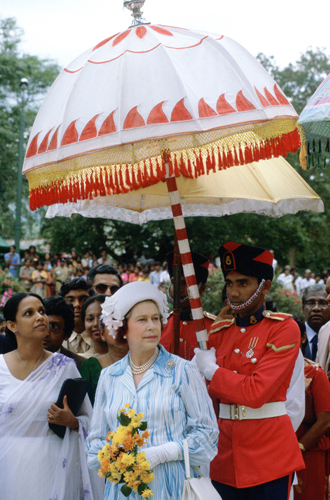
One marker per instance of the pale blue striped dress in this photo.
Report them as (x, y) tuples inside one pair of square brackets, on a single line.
[(174, 399)]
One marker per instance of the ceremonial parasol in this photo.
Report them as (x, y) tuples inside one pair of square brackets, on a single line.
[(314, 127), (269, 187), (150, 104)]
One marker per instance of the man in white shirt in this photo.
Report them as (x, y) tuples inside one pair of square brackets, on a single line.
[(104, 258), (286, 279), (297, 279), (155, 276), (76, 292), (307, 280), (87, 261)]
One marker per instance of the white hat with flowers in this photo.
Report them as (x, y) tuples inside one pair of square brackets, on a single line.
[(115, 308)]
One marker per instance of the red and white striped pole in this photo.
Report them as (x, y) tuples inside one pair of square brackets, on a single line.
[(186, 259)]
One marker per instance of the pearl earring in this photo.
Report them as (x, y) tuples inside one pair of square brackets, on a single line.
[(124, 337)]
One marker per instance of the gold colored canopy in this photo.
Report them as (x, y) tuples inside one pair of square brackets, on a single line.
[(270, 187)]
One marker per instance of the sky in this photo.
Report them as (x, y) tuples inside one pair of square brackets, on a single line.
[(63, 29)]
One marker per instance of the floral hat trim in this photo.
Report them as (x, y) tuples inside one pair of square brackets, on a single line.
[(113, 317)]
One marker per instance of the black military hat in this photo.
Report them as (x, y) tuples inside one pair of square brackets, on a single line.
[(245, 259), (200, 262)]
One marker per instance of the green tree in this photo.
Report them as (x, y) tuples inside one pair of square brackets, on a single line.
[(310, 232), (13, 67)]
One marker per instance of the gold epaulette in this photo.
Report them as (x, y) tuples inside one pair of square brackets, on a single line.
[(209, 315), (221, 324), (275, 315)]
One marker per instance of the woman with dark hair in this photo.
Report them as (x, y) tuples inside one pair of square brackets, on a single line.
[(106, 350), (33, 458), (90, 317), (168, 390)]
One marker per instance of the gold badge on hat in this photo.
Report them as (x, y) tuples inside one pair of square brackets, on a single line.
[(229, 261)]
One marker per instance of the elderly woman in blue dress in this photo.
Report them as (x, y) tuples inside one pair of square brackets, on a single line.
[(167, 389)]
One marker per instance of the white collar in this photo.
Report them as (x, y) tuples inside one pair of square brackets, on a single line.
[(309, 332)]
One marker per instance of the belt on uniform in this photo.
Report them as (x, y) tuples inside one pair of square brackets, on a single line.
[(240, 412)]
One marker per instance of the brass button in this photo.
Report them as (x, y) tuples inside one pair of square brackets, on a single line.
[(185, 322), (181, 340), (237, 351), (243, 330), (253, 360)]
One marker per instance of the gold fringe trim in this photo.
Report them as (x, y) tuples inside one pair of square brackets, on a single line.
[(91, 175)]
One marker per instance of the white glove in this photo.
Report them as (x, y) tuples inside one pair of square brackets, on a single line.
[(206, 362), (164, 453)]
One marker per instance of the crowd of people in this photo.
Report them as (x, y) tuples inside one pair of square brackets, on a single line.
[(43, 274), (292, 281), (254, 408)]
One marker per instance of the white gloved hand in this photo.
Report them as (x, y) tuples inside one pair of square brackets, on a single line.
[(164, 453), (206, 362)]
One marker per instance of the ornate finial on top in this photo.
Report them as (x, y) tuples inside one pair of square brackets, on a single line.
[(134, 6)]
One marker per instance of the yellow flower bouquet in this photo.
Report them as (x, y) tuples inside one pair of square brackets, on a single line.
[(120, 460)]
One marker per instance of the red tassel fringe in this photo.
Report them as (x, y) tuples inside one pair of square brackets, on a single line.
[(123, 178)]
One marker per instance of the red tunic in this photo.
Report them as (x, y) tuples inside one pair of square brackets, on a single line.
[(188, 340), (313, 481), (253, 452)]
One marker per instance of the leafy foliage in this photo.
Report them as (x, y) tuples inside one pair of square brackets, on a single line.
[(212, 297), (285, 301), (8, 287), (40, 73)]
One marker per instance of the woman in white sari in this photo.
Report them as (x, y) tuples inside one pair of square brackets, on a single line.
[(36, 464)]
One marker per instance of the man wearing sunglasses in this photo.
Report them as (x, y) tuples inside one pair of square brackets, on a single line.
[(105, 279), (76, 292), (61, 323)]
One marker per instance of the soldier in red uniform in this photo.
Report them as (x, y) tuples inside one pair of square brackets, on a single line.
[(188, 340), (250, 364)]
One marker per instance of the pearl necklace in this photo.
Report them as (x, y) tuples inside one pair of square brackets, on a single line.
[(19, 357), (137, 370)]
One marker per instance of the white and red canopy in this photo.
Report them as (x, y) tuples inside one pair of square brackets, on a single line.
[(144, 90)]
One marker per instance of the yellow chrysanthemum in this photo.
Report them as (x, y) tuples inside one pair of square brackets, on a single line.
[(147, 493), (127, 405), (140, 416), (126, 459), (135, 422), (140, 457), (130, 476), (131, 413), (119, 436), (145, 465), (146, 476)]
